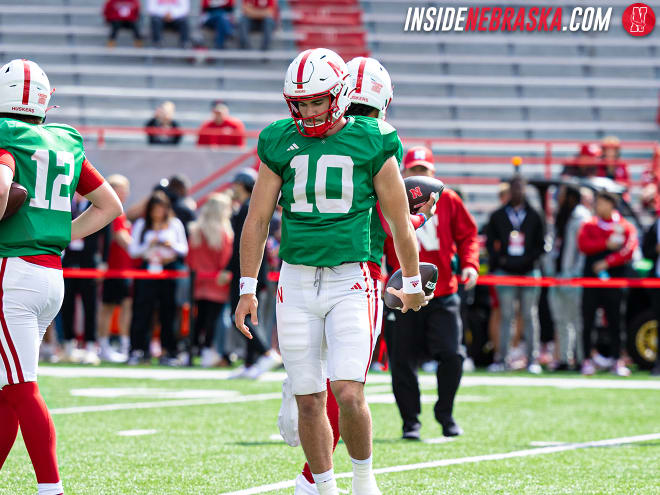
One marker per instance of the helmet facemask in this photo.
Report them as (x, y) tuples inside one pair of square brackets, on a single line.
[(309, 126)]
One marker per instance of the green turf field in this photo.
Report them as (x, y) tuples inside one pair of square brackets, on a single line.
[(204, 435)]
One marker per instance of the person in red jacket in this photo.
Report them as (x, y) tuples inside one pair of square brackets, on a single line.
[(123, 14), (210, 243), (435, 330), (609, 241), (222, 129)]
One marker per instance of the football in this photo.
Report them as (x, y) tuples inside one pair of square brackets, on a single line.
[(419, 190), (427, 271), (17, 196)]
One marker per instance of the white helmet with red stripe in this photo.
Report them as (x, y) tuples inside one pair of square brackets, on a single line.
[(315, 74), (24, 88), (373, 85)]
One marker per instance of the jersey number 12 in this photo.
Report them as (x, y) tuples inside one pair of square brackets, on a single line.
[(57, 201), (300, 164)]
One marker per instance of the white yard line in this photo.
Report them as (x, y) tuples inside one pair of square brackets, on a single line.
[(545, 444), (136, 433), (379, 378), (165, 403), (467, 460)]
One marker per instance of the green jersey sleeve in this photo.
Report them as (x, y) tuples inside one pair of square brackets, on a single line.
[(262, 149), (391, 144), (6, 133), (272, 147)]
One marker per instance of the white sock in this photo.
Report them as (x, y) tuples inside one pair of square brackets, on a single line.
[(50, 488), (362, 469), (104, 342), (326, 483)]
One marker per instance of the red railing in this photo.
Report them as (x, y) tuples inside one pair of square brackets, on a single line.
[(545, 153), (496, 280)]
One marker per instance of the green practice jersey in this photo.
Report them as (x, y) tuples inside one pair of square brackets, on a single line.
[(327, 188), (48, 163)]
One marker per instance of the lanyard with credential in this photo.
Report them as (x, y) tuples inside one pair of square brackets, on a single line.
[(516, 217)]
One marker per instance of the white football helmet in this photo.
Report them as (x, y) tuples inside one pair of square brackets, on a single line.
[(24, 88), (373, 86), (312, 75)]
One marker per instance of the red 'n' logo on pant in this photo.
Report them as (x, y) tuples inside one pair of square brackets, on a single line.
[(280, 298)]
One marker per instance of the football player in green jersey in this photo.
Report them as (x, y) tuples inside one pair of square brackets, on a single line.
[(328, 172), (372, 96), (49, 161)]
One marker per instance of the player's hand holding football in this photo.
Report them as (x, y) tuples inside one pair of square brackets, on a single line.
[(410, 301), (247, 305), (428, 208)]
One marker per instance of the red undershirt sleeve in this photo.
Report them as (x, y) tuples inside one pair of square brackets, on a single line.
[(90, 179), (6, 158)]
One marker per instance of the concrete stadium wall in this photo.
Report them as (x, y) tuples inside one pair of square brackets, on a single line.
[(145, 167)]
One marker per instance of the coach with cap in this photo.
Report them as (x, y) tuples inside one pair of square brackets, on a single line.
[(434, 332)]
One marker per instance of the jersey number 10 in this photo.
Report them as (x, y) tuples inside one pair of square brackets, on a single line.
[(324, 204), (57, 201)]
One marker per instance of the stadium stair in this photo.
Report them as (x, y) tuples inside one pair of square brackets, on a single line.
[(336, 24)]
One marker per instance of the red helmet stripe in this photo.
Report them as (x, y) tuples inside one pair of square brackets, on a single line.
[(301, 68), (360, 76), (26, 83)]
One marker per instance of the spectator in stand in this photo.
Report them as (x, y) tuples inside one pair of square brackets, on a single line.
[(169, 14), (611, 165), (515, 243), (210, 242), (257, 15), (123, 14), (81, 253), (162, 128), (222, 129), (585, 164), (568, 262), (117, 291), (159, 242), (216, 15), (259, 356), (651, 250), (609, 241)]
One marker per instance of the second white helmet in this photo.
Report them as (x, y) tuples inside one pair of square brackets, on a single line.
[(373, 85), (24, 88)]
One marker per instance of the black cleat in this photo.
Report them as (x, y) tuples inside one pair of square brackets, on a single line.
[(412, 432), (450, 428)]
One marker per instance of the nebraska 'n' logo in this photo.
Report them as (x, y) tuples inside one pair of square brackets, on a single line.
[(638, 19), (280, 298), (415, 192)]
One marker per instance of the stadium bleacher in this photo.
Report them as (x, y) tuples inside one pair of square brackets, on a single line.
[(542, 74), (457, 85)]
